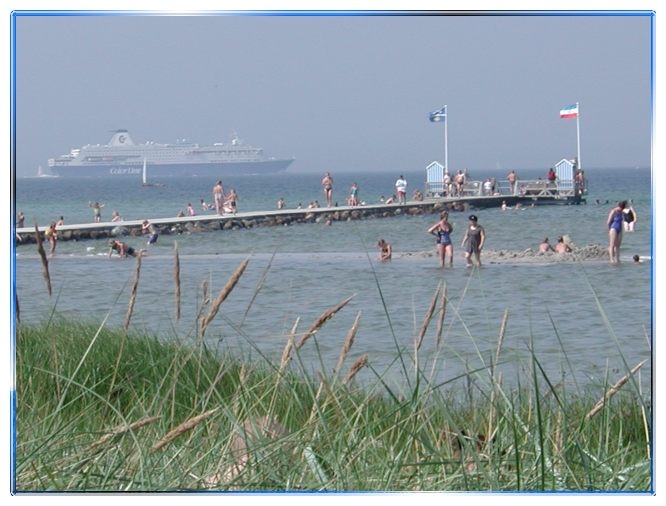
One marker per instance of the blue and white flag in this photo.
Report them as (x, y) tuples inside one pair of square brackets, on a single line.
[(439, 115)]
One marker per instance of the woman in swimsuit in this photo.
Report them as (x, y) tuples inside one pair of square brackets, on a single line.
[(442, 230), (614, 222), (475, 236), (385, 250), (630, 218), (327, 183)]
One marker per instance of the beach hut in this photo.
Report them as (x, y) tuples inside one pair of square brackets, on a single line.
[(434, 186), (565, 177)]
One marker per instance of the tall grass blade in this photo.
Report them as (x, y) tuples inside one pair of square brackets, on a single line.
[(224, 293), (132, 299), (186, 426), (176, 278), (121, 429), (319, 323), (260, 284), (613, 390), (440, 319), (358, 365), (349, 341), (42, 256), (428, 316)]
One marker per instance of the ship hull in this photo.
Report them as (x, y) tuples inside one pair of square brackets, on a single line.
[(154, 171)]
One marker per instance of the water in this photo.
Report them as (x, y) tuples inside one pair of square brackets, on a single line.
[(586, 319)]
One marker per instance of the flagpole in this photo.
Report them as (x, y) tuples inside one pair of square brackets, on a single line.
[(578, 164), (446, 140)]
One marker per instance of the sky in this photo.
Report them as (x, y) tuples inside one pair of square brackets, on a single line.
[(342, 92)]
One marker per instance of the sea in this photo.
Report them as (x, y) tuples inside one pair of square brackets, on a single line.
[(586, 322)]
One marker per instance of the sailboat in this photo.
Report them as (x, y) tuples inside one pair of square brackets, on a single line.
[(44, 173), (144, 177)]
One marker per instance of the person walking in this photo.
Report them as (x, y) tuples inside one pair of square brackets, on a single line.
[(475, 237), (614, 223), (442, 230)]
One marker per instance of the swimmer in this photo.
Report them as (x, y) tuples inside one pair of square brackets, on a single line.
[(123, 249), (562, 247), (327, 183), (545, 246)]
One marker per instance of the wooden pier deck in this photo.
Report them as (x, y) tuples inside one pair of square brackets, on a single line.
[(283, 217)]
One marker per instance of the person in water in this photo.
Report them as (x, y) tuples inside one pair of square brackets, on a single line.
[(614, 223), (123, 249), (545, 246), (149, 228), (475, 237), (630, 218), (442, 230), (52, 237), (385, 251), (562, 247)]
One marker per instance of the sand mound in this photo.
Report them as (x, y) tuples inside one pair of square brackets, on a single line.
[(592, 252)]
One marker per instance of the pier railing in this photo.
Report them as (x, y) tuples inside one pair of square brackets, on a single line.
[(522, 188)]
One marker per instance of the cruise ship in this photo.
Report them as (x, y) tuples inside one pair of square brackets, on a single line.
[(122, 157)]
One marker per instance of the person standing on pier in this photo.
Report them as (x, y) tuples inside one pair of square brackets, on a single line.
[(442, 230), (401, 188), (475, 237), (218, 197), (512, 178), (327, 183), (97, 210), (353, 195), (614, 222), (20, 220)]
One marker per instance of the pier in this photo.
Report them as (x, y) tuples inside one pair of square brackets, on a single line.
[(538, 194)]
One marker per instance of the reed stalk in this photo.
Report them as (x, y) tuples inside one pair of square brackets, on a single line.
[(440, 319), (186, 426), (121, 429), (45, 261), (176, 278), (358, 365), (319, 323), (224, 293), (132, 299), (349, 341), (613, 390), (428, 317)]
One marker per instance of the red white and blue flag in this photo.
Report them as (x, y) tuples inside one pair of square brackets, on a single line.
[(569, 111)]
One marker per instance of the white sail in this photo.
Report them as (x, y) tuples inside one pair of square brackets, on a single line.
[(144, 171)]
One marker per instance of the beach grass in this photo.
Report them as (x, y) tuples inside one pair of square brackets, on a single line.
[(104, 410)]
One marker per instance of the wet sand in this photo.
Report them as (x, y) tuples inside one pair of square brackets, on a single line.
[(589, 253)]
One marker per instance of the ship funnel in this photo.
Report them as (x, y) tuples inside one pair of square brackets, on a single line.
[(121, 138)]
